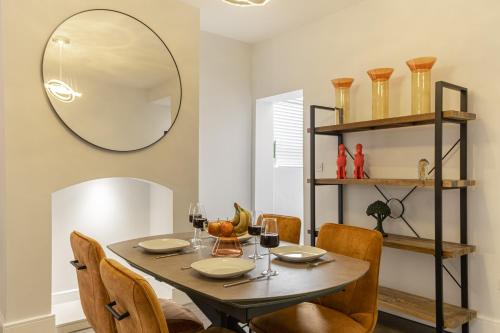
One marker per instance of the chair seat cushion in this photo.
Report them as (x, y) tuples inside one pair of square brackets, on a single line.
[(304, 318), (179, 318)]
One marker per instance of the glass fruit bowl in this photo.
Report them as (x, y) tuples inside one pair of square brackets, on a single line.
[(227, 247)]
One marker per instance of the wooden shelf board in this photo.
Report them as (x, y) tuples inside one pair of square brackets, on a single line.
[(422, 308), (394, 122), (447, 183), (427, 246), (423, 245)]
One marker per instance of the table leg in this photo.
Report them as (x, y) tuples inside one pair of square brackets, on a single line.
[(217, 317)]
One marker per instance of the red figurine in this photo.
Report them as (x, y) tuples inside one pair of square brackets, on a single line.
[(341, 163), (359, 162)]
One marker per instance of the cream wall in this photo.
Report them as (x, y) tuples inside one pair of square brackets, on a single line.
[(2, 173), (42, 156), (225, 124), (386, 33)]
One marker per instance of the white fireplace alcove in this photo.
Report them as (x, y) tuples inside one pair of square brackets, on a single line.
[(108, 210)]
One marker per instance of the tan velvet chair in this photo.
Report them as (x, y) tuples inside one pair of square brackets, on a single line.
[(288, 226), (134, 305), (351, 311), (93, 296)]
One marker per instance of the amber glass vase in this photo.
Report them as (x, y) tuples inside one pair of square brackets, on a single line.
[(380, 91), (342, 98), (421, 84)]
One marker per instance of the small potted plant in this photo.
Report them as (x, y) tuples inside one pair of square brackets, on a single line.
[(379, 211)]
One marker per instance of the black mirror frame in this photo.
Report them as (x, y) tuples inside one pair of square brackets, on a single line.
[(69, 128)]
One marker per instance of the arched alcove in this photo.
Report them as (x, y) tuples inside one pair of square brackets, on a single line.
[(109, 210)]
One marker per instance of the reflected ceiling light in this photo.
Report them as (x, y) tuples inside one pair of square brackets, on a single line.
[(62, 91), (247, 2), (58, 88), (60, 40)]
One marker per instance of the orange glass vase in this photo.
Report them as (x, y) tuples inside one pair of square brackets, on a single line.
[(421, 84), (342, 98), (380, 91)]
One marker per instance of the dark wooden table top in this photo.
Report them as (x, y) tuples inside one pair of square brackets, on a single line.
[(296, 281)]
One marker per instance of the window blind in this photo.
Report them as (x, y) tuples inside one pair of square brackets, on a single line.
[(288, 132)]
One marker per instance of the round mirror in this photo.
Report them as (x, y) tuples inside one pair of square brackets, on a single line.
[(112, 80)]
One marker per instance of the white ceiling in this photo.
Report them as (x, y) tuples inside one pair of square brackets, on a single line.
[(254, 24)]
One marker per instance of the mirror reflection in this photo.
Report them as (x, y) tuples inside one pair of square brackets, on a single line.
[(111, 80)]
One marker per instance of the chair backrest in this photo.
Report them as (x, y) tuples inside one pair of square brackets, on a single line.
[(93, 296), (288, 226), (134, 303), (359, 300)]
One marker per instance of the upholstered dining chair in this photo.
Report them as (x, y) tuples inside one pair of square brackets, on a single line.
[(352, 311), (288, 226), (134, 304), (93, 296)]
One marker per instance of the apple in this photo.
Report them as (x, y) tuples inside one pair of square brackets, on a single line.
[(214, 228), (226, 229)]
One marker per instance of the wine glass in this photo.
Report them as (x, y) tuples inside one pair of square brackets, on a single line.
[(198, 219), (191, 215), (254, 229), (269, 238)]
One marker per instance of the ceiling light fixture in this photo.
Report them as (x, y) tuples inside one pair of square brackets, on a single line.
[(247, 3)]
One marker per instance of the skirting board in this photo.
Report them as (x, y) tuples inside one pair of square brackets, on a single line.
[(73, 327), (40, 324)]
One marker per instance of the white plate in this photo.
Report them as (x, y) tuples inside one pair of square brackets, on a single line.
[(223, 268), (298, 253), (163, 245), (243, 238)]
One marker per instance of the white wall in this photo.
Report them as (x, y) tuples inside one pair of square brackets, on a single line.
[(263, 157), (288, 191), (386, 33), (225, 125)]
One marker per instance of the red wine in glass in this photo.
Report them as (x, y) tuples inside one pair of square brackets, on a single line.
[(193, 216), (199, 222), (270, 240), (254, 230)]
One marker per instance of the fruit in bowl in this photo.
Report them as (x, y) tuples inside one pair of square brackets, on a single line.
[(241, 220), (214, 228), (226, 229), (238, 226)]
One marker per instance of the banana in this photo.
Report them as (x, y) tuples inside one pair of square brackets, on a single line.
[(236, 219), (242, 227)]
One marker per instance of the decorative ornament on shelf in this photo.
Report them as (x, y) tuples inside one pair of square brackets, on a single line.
[(380, 91), (421, 84), (423, 166), (247, 3), (359, 162), (341, 162), (380, 211), (342, 98)]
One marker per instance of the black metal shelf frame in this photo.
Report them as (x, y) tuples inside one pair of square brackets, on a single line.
[(438, 195)]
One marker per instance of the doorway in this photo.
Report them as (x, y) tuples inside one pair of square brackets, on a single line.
[(279, 158)]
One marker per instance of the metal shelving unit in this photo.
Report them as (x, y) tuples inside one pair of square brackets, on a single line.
[(442, 314)]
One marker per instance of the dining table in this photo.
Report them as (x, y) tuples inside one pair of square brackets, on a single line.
[(230, 307)]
